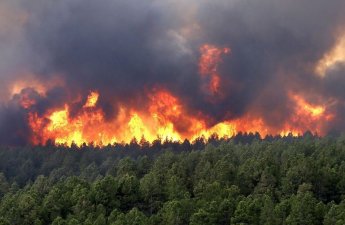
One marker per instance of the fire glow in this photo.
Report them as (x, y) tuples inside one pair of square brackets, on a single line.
[(100, 72), (164, 116), (208, 66), (331, 58)]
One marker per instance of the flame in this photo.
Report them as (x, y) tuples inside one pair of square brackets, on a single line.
[(162, 116), (165, 118), (92, 100), (165, 113), (334, 56), (208, 65), (90, 124), (59, 119), (307, 116), (315, 111), (214, 84)]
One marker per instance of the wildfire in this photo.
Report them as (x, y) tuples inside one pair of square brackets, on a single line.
[(306, 115), (166, 118), (334, 56), (208, 65), (162, 116), (92, 100), (315, 111)]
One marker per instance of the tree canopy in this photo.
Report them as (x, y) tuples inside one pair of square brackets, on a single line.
[(287, 181)]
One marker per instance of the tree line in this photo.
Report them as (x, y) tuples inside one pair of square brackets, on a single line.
[(243, 180)]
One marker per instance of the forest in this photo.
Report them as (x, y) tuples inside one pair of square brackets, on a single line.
[(241, 180)]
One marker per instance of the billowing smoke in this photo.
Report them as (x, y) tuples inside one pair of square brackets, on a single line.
[(127, 49)]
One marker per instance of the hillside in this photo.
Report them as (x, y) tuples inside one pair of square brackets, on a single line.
[(279, 181)]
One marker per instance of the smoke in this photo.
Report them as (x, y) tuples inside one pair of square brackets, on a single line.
[(124, 49)]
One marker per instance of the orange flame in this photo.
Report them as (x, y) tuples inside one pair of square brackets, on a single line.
[(208, 65), (307, 116), (163, 116), (92, 100), (315, 111), (166, 118)]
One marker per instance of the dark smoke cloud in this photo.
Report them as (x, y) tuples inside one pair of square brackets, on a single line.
[(124, 49), (14, 129), (271, 45)]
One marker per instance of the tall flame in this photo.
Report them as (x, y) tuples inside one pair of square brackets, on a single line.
[(162, 116), (163, 119), (92, 100), (208, 65)]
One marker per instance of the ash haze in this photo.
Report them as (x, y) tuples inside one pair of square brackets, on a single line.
[(55, 53)]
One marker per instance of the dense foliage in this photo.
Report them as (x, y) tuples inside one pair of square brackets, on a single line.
[(292, 181)]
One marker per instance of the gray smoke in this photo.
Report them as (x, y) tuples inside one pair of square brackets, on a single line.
[(124, 49)]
